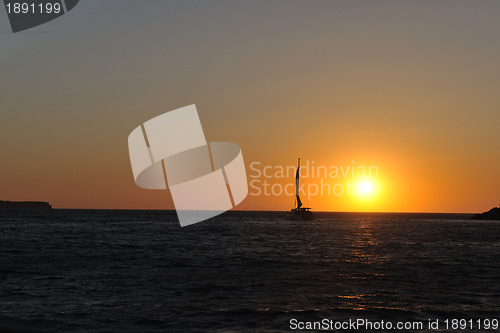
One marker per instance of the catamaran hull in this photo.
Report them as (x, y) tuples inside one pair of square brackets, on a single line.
[(301, 215)]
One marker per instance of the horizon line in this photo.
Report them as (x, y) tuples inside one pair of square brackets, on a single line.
[(275, 211)]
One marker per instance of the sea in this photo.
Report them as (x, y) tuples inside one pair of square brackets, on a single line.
[(139, 271)]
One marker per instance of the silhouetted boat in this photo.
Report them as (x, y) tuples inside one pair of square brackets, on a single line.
[(298, 210)]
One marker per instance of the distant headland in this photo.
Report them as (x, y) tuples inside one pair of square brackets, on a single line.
[(22, 205), (492, 214)]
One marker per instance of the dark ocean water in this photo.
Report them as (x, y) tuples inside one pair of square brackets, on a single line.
[(139, 271)]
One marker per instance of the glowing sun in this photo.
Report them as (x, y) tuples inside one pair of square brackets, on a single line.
[(365, 187)]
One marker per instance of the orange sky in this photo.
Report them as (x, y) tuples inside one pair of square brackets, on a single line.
[(411, 88)]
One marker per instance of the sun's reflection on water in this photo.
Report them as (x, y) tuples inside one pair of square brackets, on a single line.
[(361, 243)]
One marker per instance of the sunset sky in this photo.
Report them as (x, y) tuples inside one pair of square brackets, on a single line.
[(411, 87)]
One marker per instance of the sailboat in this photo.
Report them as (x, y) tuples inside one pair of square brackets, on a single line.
[(298, 210)]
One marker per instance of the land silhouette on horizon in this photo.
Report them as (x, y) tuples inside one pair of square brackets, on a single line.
[(24, 205), (492, 214)]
